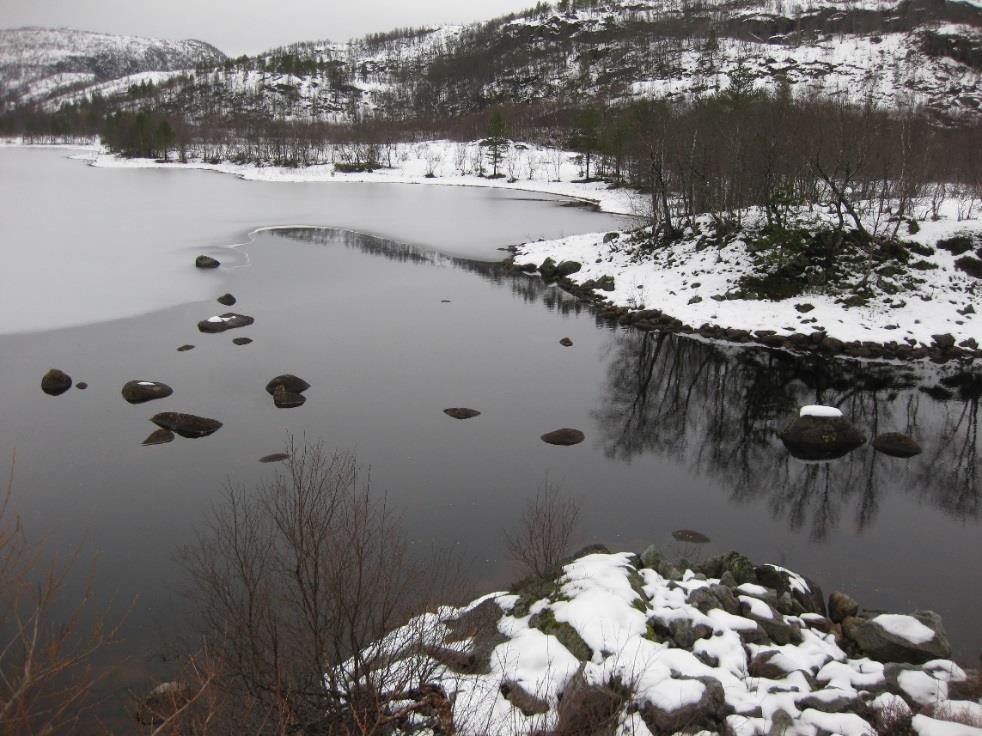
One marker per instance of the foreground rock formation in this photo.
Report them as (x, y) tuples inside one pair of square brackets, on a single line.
[(628, 644)]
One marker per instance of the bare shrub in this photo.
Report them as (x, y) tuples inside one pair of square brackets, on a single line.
[(546, 530), (297, 586), (47, 640)]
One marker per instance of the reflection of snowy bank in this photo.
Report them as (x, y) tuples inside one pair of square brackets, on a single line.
[(617, 643), (698, 281)]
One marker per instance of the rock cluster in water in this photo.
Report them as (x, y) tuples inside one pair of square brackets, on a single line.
[(725, 647), (821, 433)]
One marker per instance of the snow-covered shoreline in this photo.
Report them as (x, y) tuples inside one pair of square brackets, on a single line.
[(683, 287), (691, 287), (722, 647)]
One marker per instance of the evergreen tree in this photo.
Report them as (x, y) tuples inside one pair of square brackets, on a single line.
[(496, 142)]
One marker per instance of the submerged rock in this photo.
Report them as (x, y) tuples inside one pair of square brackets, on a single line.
[(226, 300), (185, 348), (288, 381), (276, 457), (565, 436), (81, 385), (896, 444), (284, 399), (242, 341), (186, 425), (55, 382), (206, 262), (691, 536), (227, 321), (813, 437), (137, 392), (159, 437), (461, 413)]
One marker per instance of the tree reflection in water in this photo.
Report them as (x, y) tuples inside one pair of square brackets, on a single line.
[(719, 408)]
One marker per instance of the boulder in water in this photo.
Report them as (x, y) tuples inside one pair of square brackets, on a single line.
[(461, 412), (817, 437), (206, 262), (55, 382), (276, 457), (242, 340), (226, 300), (137, 392), (565, 437), (288, 381), (222, 322), (159, 437), (566, 342), (287, 399), (185, 348), (186, 425), (690, 536)]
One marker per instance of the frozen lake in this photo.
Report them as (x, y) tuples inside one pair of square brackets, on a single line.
[(98, 280)]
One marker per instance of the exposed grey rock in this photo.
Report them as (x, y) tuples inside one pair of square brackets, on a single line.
[(186, 425), (820, 438), (206, 262), (55, 382), (138, 392)]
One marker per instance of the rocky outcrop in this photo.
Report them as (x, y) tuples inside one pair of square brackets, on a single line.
[(55, 382), (186, 425)]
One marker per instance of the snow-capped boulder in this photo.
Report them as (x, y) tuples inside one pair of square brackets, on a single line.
[(814, 437), (137, 392), (914, 639), (227, 321)]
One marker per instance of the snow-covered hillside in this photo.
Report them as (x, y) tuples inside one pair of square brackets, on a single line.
[(39, 64), (924, 52)]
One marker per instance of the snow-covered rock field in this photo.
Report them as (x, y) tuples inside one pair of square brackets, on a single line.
[(637, 645)]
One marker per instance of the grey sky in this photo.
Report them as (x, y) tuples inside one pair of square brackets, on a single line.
[(248, 26)]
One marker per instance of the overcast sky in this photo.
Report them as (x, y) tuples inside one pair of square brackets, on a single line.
[(248, 26)]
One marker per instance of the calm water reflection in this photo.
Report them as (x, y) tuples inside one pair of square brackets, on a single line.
[(680, 433)]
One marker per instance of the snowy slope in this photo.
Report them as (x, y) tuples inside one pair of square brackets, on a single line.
[(915, 51), (41, 63)]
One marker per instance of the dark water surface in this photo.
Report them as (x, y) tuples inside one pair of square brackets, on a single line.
[(680, 433)]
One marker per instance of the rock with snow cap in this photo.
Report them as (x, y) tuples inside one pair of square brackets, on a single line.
[(138, 392), (913, 639), (223, 322), (821, 437)]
